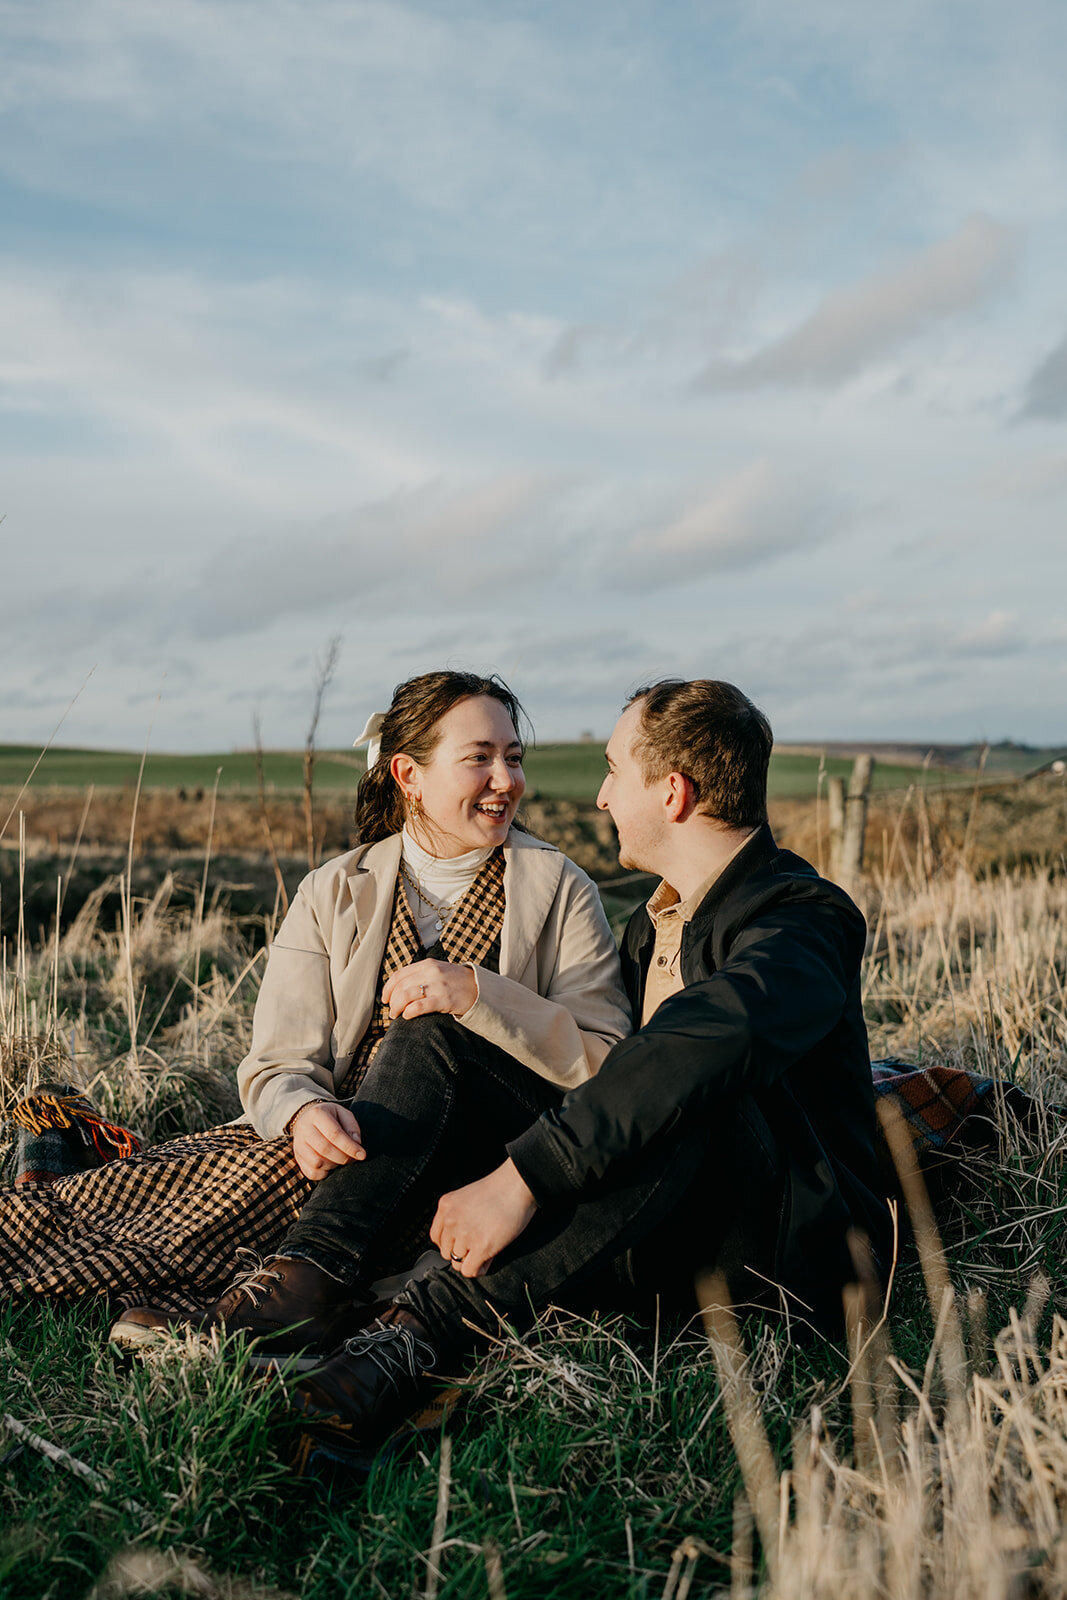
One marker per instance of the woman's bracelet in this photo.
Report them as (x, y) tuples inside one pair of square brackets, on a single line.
[(299, 1112)]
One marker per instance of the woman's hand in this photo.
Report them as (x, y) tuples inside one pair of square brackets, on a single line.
[(428, 986), (473, 1224), (325, 1135)]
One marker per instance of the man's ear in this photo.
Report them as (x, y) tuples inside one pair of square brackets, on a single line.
[(405, 773), (679, 798)]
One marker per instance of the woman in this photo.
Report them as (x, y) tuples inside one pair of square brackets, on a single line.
[(445, 910)]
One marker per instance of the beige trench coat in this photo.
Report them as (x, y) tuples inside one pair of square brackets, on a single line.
[(557, 1003)]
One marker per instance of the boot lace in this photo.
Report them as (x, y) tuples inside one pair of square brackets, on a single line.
[(255, 1277), (397, 1352)]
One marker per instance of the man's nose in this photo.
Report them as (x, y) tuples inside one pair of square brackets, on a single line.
[(601, 803)]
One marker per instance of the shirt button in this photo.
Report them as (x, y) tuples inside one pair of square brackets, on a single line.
[(661, 961)]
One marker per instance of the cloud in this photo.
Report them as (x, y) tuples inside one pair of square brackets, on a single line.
[(1046, 392), (415, 550), (1035, 479), (750, 518), (856, 326), (997, 634)]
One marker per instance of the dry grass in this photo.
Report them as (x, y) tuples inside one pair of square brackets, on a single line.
[(149, 1015), (949, 1481)]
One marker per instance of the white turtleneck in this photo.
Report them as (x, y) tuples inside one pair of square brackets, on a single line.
[(441, 883)]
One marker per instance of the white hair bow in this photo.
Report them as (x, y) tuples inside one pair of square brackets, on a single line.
[(371, 738)]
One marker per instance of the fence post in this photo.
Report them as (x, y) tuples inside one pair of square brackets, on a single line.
[(859, 789), (835, 795)]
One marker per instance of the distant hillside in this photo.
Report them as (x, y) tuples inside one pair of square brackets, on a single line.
[(553, 771)]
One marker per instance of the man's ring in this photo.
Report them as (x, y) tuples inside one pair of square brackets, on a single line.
[(422, 991), (454, 1256)]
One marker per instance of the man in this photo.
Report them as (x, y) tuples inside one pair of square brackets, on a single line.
[(734, 1129)]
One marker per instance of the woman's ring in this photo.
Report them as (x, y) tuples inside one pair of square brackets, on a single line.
[(422, 991)]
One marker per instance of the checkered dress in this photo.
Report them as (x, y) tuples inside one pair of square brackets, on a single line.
[(169, 1224)]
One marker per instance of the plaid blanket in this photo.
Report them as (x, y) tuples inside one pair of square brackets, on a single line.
[(60, 1133), (943, 1105)]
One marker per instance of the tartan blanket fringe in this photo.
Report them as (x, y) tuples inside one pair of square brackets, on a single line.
[(61, 1132)]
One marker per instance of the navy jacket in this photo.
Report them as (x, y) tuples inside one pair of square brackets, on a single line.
[(766, 1048)]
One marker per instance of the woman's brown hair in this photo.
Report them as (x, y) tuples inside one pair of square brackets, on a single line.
[(410, 728)]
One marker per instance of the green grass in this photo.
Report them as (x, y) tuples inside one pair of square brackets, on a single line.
[(593, 1447), (584, 1461), (553, 771), (282, 770)]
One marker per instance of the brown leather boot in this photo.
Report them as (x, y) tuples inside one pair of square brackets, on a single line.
[(355, 1400), (287, 1305)]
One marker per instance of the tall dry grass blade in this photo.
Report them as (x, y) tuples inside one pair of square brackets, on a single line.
[(682, 1569), (873, 1389), (742, 1549), (77, 842), (931, 1252), (751, 1445), (21, 969), (978, 1343), (861, 1387), (515, 1505), (494, 1570), (127, 911), (324, 671), (440, 1521), (53, 1021), (201, 900), (51, 737), (261, 788), (968, 833), (63, 1458)]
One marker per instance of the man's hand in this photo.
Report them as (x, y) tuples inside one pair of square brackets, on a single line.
[(477, 1222), (325, 1136), (427, 986)]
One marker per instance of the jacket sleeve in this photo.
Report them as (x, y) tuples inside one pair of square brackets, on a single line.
[(290, 1061), (565, 1028), (782, 987)]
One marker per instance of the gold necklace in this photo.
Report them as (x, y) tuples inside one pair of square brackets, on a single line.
[(441, 913)]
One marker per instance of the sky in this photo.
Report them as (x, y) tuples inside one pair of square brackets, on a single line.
[(585, 344)]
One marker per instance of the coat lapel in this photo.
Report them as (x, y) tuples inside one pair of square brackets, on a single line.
[(372, 885), (532, 872)]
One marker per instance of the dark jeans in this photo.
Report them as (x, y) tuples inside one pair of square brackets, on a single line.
[(437, 1110)]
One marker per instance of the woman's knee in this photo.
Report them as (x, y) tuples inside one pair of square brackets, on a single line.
[(435, 1037), (435, 1028)]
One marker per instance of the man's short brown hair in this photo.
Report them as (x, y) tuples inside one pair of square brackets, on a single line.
[(713, 735)]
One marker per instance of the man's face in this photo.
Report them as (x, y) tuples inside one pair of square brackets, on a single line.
[(635, 808)]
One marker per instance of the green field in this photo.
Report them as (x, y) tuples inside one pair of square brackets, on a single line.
[(553, 771)]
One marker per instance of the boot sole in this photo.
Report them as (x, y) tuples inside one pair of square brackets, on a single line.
[(132, 1336), (283, 1365)]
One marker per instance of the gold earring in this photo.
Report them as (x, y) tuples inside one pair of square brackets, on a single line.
[(413, 806)]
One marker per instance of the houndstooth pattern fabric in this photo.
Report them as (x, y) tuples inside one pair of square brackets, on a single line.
[(472, 933), (174, 1224), (165, 1225)]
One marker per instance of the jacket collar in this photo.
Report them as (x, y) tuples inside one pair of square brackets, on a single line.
[(757, 852), (532, 870)]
